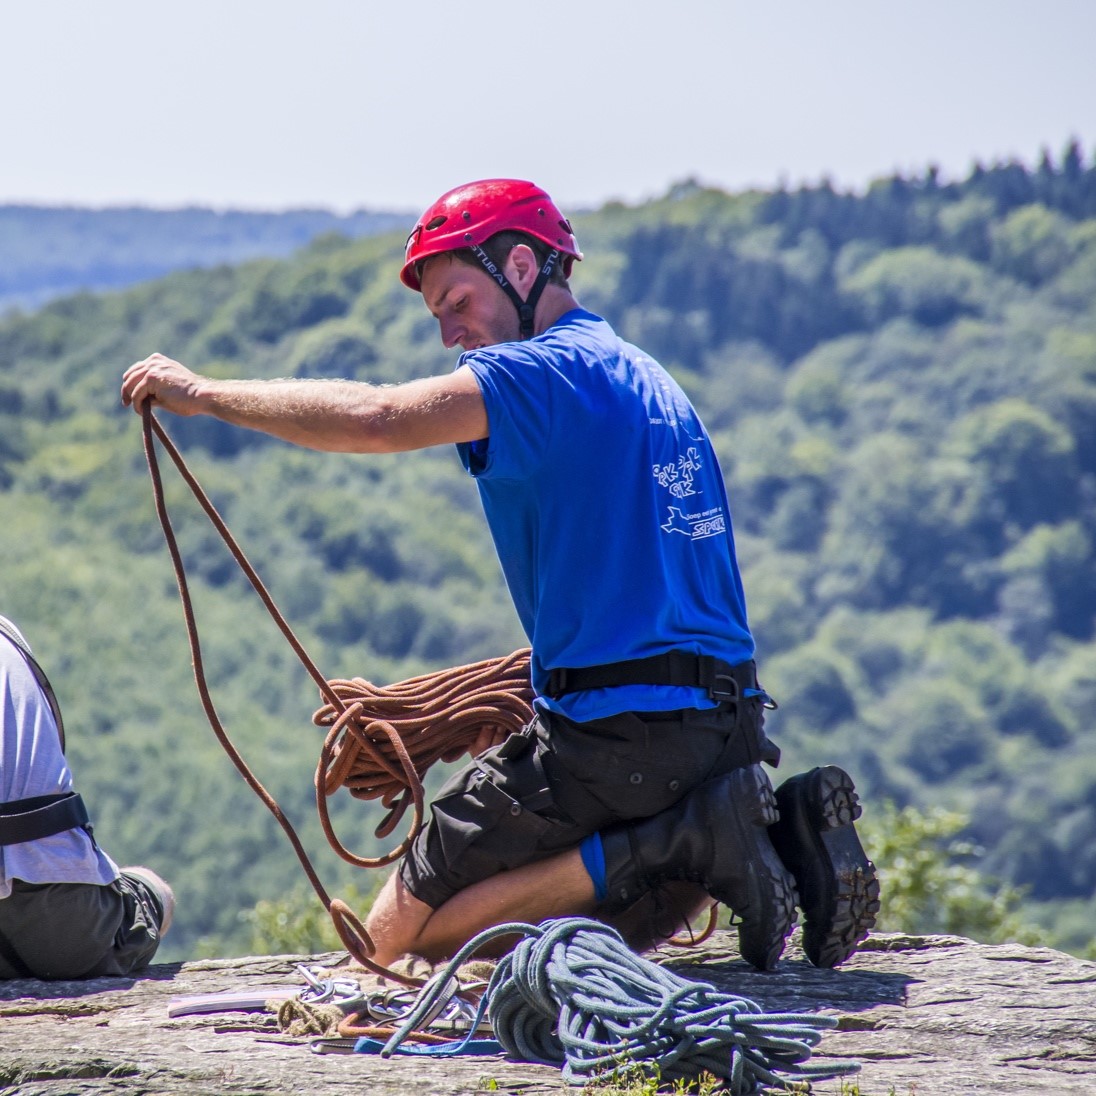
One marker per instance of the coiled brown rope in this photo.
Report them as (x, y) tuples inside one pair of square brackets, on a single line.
[(371, 759), (380, 731)]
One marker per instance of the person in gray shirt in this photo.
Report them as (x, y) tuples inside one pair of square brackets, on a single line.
[(66, 910)]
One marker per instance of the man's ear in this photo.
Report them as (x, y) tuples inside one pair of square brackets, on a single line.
[(521, 268)]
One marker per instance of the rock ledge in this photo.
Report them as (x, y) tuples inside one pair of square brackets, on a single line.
[(932, 1014)]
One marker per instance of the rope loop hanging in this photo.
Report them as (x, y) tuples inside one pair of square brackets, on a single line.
[(356, 730)]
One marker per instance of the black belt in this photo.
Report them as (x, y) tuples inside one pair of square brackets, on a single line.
[(40, 816), (721, 680)]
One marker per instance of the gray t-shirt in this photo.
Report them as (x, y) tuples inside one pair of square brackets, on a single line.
[(31, 764)]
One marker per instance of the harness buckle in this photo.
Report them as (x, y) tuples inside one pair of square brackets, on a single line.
[(726, 696)]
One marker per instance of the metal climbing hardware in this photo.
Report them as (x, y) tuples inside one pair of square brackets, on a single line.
[(452, 1019), (728, 692), (448, 1012), (347, 993), (767, 701), (318, 990)]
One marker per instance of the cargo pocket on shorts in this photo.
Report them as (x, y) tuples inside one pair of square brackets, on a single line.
[(489, 823), (518, 835)]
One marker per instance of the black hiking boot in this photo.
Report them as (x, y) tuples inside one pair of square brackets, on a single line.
[(716, 836), (816, 839)]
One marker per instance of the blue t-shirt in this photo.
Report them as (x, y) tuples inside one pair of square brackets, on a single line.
[(608, 511)]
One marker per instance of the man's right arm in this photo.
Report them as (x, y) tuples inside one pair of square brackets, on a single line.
[(331, 415)]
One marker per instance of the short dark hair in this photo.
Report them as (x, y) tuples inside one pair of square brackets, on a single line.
[(499, 246)]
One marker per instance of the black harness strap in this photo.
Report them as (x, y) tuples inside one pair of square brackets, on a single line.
[(722, 681), (41, 816), (39, 675)]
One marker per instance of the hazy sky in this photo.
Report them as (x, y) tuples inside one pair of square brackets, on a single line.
[(351, 103)]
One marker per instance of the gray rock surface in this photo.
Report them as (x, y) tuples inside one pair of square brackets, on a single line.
[(924, 1015)]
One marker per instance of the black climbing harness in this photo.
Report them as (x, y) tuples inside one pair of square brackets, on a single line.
[(721, 680), (40, 815)]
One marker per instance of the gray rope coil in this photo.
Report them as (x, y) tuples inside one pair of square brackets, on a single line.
[(572, 994)]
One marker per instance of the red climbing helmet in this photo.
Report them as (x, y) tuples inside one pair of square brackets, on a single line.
[(472, 213)]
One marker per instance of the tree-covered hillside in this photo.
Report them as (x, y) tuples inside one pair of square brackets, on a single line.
[(902, 389), (52, 251)]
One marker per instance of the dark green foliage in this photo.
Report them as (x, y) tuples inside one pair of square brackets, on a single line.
[(901, 387), (932, 880), (727, 289)]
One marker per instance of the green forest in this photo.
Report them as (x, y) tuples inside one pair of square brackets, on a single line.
[(52, 251), (901, 387)]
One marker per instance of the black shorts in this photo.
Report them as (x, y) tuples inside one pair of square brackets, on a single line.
[(555, 782), (78, 930)]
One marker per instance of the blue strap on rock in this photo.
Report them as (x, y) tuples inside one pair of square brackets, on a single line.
[(366, 1045)]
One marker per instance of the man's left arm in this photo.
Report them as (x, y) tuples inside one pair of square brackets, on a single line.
[(328, 415)]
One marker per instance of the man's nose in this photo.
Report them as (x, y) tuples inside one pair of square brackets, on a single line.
[(451, 332)]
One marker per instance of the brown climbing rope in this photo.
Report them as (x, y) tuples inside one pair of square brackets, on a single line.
[(378, 734), (381, 741)]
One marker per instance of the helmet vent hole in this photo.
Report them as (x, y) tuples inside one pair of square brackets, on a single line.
[(436, 222)]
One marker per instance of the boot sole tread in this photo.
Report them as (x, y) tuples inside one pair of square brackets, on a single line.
[(782, 903), (832, 940), (840, 898), (775, 887)]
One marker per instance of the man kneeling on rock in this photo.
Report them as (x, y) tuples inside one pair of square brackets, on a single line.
[(602, 491)]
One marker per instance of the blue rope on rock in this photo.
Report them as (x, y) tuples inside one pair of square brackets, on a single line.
[(572, 994)]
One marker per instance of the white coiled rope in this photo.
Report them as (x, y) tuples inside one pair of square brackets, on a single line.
[(573, 994)]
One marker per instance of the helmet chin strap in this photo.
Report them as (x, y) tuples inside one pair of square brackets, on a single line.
[(526, 308)]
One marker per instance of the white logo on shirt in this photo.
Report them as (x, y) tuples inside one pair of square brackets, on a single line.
[(709, 523), (678, 478)]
